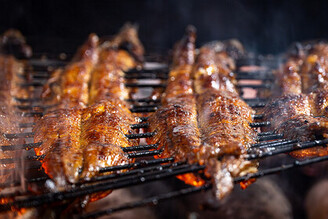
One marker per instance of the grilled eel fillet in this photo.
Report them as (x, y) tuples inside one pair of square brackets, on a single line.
[(214, 69), (77, 143), (13, 42), (302, 117), (8, 125), (288, 77), (128, 39), (305, 71), (223, 119), (108, 78), (12, 73), (175, 123), (68, 87), (315, 67)]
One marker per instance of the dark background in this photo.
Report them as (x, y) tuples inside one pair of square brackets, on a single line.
[(263, 26)]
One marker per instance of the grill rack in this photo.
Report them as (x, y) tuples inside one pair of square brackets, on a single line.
[(145, 170)]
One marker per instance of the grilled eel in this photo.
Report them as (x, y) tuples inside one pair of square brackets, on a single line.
[(8, 125), (68, 87), (12, 74), (314, 69), (107, 78), (13, 42), (175, 122), (288, 77), (302, 117), (77, 143), (304, 71), (128, 39), (223, 119)]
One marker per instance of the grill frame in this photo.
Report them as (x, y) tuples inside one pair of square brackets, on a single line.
[(142, 174)]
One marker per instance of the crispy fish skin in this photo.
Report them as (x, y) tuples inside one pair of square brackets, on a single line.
[(78, 142), (175, 122), (288, 76), (104, 126), (224, 120), (68, 87), (213, 70), (302, 117), (314, 69), (60, 134), (107, 77)]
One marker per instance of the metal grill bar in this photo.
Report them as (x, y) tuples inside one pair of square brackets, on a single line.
[(27, 125), (138, 126), (147, 76), (259, 124), (148, 71), (257, 105), (254, 86), (27, 100), (257, 116), (140, 147), (270, 137), (143, 110), (19, 135), (275, 143), (141, 135), (27, 146), (145, 85), (144, 153), (144, 100)]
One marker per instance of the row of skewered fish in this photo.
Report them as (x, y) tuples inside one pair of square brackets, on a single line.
[(201, 120), (86, 127), (300, 112)]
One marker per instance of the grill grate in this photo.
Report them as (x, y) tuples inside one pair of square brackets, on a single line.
[(144, 169)]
